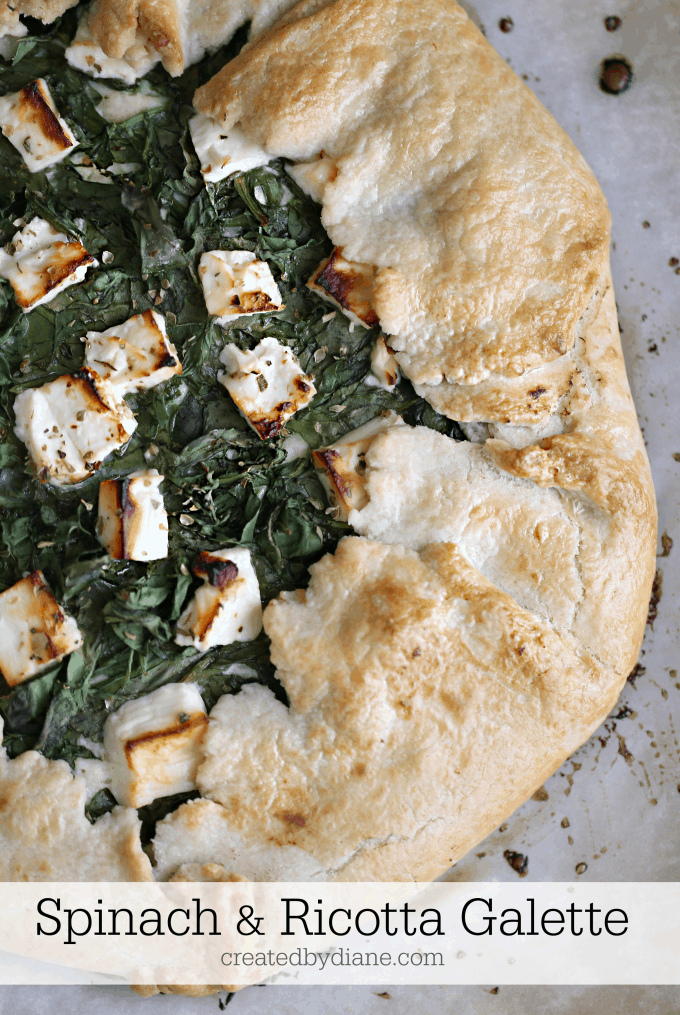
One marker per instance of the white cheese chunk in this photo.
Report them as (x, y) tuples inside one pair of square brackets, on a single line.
[(342, 465), (135, 355), (295, 447), (153, 744), (384, 366), (84, 54), (266, 384), (116, 107), (34, 630), (477, 433), (43, 264), (71, 424), (227, 607), (313, 177), (236, 284), (87, 170), (348, 285), (132, 521), (10, 41), (123, 168), (223, 152), (31, 122)]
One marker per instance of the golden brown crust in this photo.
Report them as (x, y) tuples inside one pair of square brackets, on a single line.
[(487, 230), (45, 10), (113, 25), (45, 835), (189, 990), (425, 705), (574, 540), (161, 23), (502, 309), (180, 31), (601, 460)]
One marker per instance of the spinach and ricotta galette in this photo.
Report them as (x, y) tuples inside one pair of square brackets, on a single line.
[(327, 526)]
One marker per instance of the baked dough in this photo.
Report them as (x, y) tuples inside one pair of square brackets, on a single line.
[(176, 32), (45, 10), (440, 668), (45, 835), (433, 689), (425, 705), (488, 232)]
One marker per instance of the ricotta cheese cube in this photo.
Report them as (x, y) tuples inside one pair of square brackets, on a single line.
[(266, 384), (71, 424), (227, 607), (30, 121), (132, 522), (236, 284), (153, 744), (343, 464), (84, 54), (133, 356), (34, 630), (348, 285), (384, 366), (44, 263), (223, 152)]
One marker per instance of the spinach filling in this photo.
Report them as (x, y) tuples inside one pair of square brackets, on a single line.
[(148, 228)]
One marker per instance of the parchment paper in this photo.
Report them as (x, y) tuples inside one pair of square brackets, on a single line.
[(620, 793)]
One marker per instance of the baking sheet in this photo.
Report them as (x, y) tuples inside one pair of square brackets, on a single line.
[(620, 793)]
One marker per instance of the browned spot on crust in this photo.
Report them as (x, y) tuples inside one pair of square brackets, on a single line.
[(537, 392), (193, 722), (32, 97), (294, 819)]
